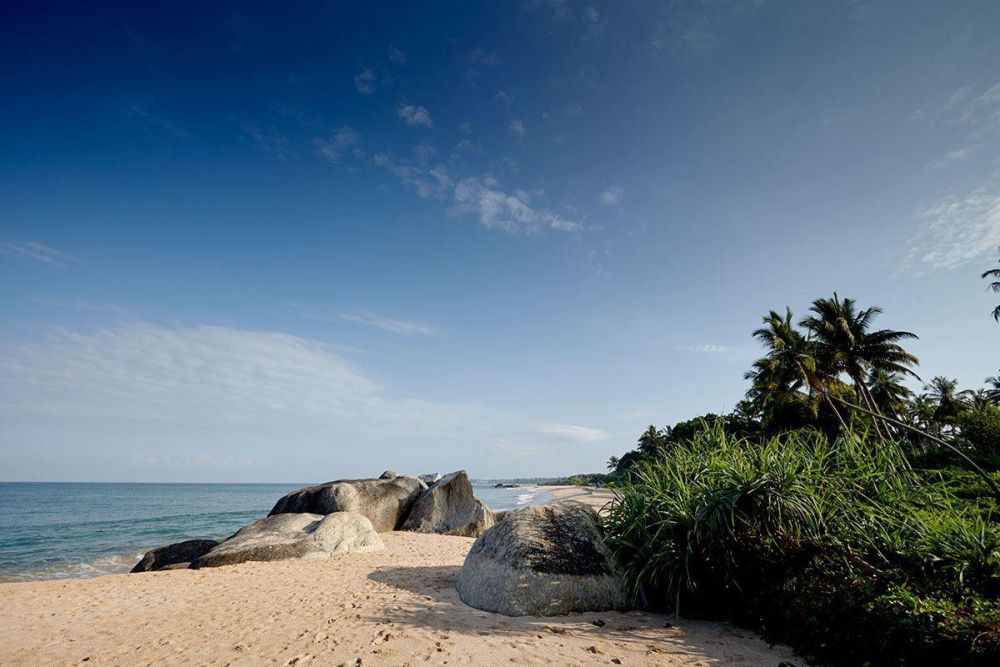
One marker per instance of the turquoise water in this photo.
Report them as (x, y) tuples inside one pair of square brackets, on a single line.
[(69, 530)]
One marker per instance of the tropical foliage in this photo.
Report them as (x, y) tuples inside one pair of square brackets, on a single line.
[(845, 506), (995, 286), (837, 547)]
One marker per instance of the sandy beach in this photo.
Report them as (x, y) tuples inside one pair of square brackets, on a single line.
[(396, 607), (588, 495)]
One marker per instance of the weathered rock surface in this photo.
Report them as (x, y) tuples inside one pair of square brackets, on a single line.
[(389, 474), (542, 561), (429, 478), (385, 502), (172, 556), (449, 507), (300, 536)]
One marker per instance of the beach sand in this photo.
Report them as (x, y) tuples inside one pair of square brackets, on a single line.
[(396, 607), (589, 495)]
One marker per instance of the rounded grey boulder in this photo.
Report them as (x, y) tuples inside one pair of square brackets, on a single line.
[(300, 536), (449, 507), (547, 560), (385, 502), (180, 553)]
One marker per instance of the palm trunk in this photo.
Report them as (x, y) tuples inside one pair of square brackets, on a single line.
[(982, 473), (862, 391)]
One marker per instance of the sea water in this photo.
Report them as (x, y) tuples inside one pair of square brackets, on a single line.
[(70, 530)]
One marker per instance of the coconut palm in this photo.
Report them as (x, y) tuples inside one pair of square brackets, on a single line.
[(790, 364), (922, 411), (949, 401), (888, 392), (993, 389), (978, 400), (995, 286), (846, 343)]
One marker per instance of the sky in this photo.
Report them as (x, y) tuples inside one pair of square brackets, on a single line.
[(308, 241)]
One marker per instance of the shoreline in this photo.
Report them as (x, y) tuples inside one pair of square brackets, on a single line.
[(394, 607), (597, 498)]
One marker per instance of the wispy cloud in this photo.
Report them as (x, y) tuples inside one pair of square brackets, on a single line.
[(365, 81), (481, 57), (611, 196), (710, 349), (396, 56), (951, 157), (517, 127), (151, 122), (37, 251), (572, 433), (401, 327), (89, 306), (503, 97), (272, 142), (508, 211), (415, 115), (333, 148), (954, 231)]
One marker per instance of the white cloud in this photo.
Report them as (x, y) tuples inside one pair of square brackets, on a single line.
[(951, 157), (397, 56), (955, 231), (510, 212), (611, 196), (503, 97), (722, 351), (365, 81), (465, 128), (333, 148), (147, 402), (517, 127), (572, 433), (400, 327), (36, 251), (274, 143), (415, 115)]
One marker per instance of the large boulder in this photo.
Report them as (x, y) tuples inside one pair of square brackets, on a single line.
[(449, 507), (385, 502), (300, 536), (174, 556), (547, 560), (429, 478)]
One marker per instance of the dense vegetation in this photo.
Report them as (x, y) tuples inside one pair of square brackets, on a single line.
[(835, 509)]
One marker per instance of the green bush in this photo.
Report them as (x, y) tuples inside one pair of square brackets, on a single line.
[(840, 549), (981, 428)]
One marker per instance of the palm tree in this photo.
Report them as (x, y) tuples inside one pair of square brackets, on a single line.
[(995, 286), (888, 392), (845, 343), (993, 389), (922, 411), (790, 363), (979, 399), (613, 463), (949, 401)]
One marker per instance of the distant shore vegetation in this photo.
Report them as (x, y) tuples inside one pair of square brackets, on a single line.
[(834, 509)]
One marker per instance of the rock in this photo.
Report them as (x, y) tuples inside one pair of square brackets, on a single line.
[(389, 474), (429, 478), (300, 536), (501, 485), (542, 561), (449, 507), (385, 502), (173, 556)]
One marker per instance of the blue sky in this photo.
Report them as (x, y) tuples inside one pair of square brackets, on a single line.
[(262, 242)]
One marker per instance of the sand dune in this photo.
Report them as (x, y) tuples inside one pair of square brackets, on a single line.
[(397, 607)]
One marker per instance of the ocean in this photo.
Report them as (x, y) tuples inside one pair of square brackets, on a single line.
[(58, 530)]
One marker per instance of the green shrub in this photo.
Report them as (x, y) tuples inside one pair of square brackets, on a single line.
[(981, 428), (840, 549)]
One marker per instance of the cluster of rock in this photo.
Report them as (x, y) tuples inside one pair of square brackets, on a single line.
[(343, 516), (540, 561)]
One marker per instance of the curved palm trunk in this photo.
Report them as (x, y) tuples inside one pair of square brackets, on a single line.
[(982, 473)]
